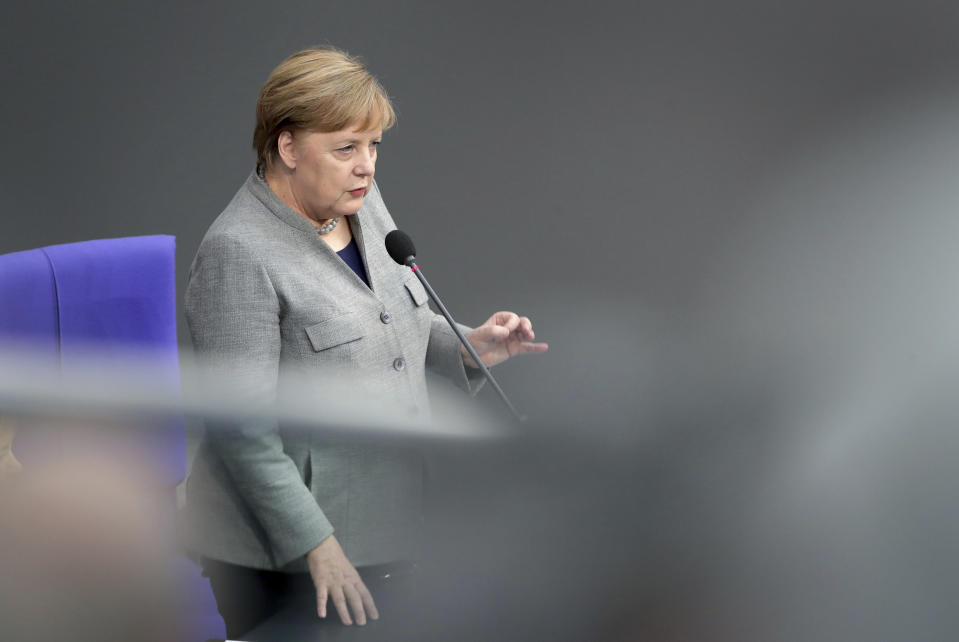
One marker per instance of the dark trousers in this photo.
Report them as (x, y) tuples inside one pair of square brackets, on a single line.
[(249, 598)]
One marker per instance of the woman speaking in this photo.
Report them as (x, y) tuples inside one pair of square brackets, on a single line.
[(293, 275)]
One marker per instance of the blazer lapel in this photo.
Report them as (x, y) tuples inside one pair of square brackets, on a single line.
[(377, 262), (356, 225)]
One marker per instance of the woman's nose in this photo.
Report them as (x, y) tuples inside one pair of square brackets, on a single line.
[(365, 164)]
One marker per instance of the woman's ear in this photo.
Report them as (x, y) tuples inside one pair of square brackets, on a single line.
[(284, 147)]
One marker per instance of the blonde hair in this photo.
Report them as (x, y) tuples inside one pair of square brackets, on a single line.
[(322, 89)]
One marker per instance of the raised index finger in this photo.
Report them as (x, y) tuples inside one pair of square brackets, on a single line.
[(527, 347)]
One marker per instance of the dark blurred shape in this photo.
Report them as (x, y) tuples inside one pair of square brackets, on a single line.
[(727, 524), (778, 464)]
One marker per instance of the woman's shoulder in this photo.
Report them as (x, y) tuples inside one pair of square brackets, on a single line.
[(244, 221), (244, 210)]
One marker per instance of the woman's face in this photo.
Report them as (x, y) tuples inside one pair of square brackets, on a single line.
[(331, 171)]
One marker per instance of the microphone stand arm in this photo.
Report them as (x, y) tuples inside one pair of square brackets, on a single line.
[(411, 263)]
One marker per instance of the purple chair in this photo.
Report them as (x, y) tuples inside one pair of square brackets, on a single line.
[(108, 296)]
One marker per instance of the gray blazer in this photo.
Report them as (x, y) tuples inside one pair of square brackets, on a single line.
[(266, 293)]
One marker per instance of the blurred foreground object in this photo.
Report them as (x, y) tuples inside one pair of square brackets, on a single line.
[(63, 304), (85, 557), (103, 493), (134, 387)]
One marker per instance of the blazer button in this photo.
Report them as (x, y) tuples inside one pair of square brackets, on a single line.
[(386, 317), (399, 364)]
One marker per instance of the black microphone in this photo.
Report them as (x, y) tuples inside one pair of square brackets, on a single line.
[(400, 247)]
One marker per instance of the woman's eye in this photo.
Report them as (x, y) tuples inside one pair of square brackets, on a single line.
[(348, 148)]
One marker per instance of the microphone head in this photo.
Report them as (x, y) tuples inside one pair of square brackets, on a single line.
[(400, 246)]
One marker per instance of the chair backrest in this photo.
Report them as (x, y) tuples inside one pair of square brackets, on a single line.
[(105, 297), (28, 302)]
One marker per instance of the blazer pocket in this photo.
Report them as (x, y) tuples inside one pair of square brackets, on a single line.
[(334, 332), (417, 291)]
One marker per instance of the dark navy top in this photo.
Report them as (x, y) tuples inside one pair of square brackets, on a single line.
[(351, 255)]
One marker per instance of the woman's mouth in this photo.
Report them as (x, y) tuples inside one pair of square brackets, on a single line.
[(356, 193)]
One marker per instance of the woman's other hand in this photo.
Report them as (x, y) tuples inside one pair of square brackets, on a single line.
[(8, 463), (336, 579), (504, 335)]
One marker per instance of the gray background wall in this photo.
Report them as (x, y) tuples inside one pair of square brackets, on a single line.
[(622, 163)]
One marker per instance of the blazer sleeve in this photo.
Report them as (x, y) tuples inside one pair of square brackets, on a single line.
[(443, 356), (232, 310)]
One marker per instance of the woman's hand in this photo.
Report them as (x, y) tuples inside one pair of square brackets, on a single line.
[(505, 334), (8, 463), (337, 580)]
